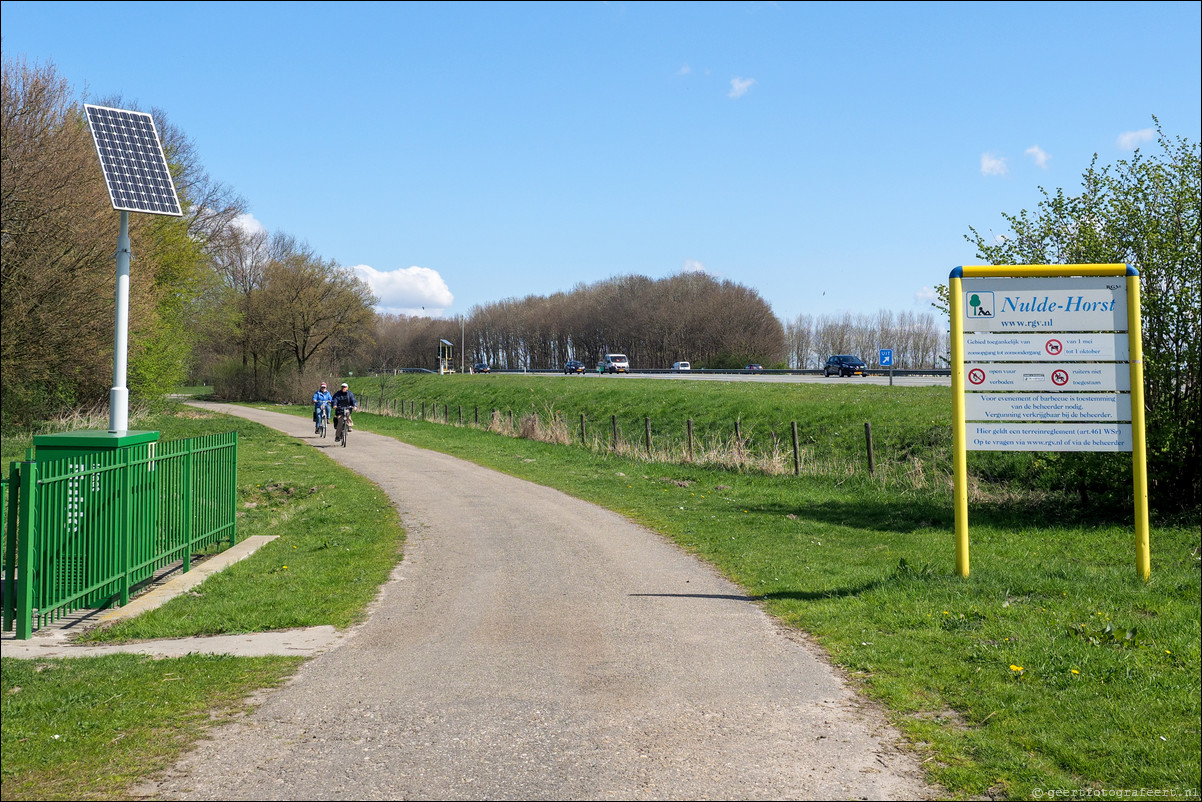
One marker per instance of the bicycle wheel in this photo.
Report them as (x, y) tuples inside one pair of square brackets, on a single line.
[(346, 432)]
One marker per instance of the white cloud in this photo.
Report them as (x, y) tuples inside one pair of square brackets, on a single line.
[(1040, 156), (925, 296), (693, 266), (992, 165), (739, 87), (684, 70), (408, 291), (249, 225), (1130, 140)]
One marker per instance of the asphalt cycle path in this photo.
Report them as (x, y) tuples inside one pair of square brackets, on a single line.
[(534, 646)]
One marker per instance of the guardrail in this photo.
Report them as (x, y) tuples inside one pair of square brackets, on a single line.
[(80, 531)]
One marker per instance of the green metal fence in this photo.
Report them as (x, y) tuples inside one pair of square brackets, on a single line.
[(81, 531)]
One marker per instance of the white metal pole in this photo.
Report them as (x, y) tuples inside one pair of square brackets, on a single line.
[(119, 394)]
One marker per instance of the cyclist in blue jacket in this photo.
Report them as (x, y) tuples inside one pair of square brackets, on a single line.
[(321, 398)]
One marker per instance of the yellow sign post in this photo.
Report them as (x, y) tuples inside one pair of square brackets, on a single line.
[(1046, 343)]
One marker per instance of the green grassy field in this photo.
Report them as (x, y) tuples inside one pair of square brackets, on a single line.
[(1018, 679)]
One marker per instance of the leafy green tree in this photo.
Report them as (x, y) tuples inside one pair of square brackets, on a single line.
[(1143, 212)]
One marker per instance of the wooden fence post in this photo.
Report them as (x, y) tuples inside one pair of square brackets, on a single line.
[(868, 439), (689, 427), (582, 438), (647, 423), (796, 451)]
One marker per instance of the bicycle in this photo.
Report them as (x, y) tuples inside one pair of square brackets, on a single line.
[(323, 420), (342, 425)]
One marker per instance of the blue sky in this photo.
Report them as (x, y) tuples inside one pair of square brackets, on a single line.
[(830, 155)]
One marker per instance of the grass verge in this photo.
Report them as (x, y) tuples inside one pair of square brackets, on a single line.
[(91, 728)]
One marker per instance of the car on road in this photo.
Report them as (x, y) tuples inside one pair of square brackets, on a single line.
[(754, 368), (572, 366), (845, 365), (681, 366), (481, 367)]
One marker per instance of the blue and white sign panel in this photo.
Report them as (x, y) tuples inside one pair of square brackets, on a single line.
[(1048, 437), (1045, 304), (1045, 363), (886, 360), (1071, 347), (1048, 406), (1046, 377)]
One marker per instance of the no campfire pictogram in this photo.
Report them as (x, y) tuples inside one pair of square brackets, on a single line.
[(976, 376)]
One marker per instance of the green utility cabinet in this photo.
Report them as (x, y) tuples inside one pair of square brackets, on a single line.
[(88, 502)]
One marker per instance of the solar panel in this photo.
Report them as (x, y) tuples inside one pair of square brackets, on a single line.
[(132, 159)]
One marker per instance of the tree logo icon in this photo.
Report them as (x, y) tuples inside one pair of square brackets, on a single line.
[(978, 304)]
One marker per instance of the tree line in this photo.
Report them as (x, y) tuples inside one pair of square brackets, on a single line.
[(917, 339), (690, 316)]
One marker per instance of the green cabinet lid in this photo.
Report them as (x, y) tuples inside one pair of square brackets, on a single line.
[(93, 439)]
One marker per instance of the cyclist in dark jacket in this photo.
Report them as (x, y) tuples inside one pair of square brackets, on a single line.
[(344, 401)]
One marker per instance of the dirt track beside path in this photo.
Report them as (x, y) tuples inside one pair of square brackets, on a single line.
[(534, 646)]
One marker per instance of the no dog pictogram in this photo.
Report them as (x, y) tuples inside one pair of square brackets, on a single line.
[(1054, 347)]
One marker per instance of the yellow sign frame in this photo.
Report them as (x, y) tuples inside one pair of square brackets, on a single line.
[(1143, 561)]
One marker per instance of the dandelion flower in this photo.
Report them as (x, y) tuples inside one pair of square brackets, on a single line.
[(1075, 671), (1016, 668)]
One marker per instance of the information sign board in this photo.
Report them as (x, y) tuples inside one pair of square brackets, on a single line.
[(1048, 406), (886, 360), (1047, 358), (1048, 437), (1094, 303), (1057, 347)]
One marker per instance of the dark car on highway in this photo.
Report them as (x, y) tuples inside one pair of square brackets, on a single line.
[(845, 365), (754, 368), (481, 367), (572, 366)]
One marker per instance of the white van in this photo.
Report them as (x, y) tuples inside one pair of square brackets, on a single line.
[(616, 363), (681, 366)]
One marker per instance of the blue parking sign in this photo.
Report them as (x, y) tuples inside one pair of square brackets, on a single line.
[(886, 357)]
